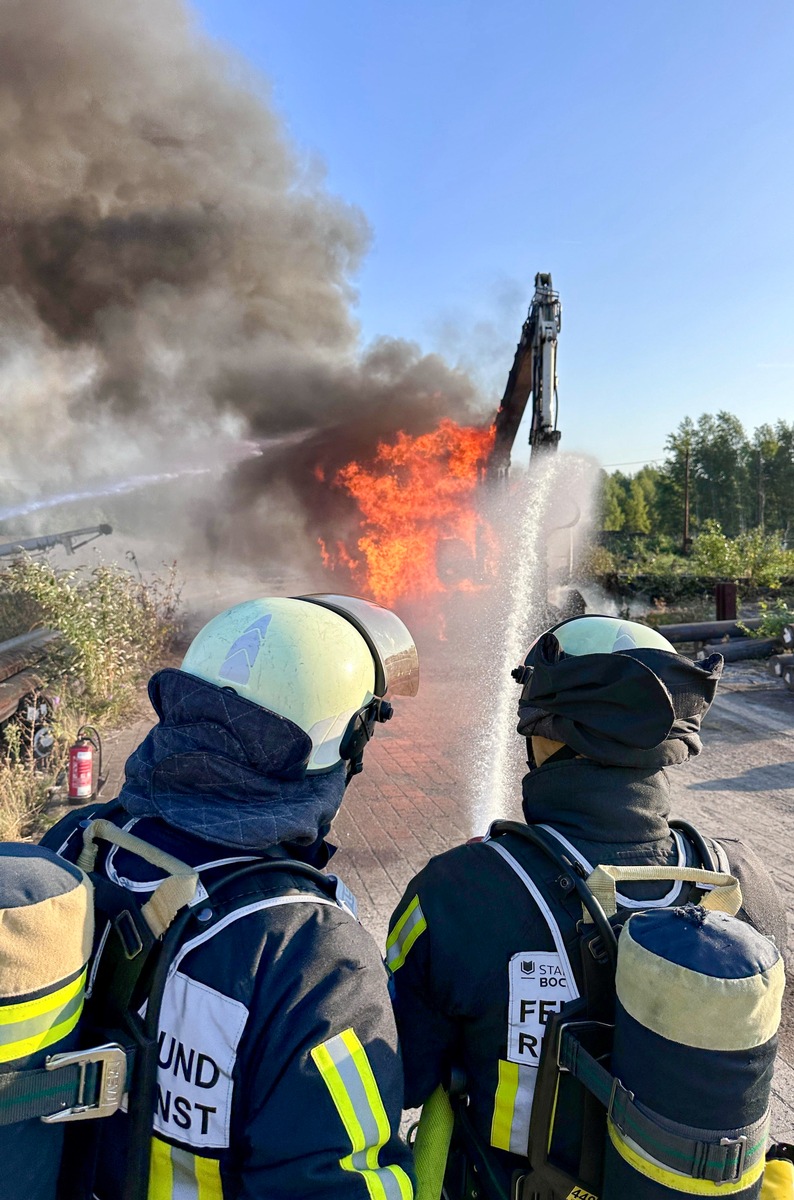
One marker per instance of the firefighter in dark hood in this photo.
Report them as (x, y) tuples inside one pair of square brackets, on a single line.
[(279, 1075), (606, 707)]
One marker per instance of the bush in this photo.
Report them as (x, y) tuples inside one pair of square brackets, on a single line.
[(113, 628), (19, 613), (756, 556), (774, 618)]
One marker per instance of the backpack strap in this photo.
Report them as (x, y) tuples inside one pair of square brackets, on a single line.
[(706, 851), (573, 870)]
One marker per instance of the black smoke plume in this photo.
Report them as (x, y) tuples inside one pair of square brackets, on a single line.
[(173, 270)]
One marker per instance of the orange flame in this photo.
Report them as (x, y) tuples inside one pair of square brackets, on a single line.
[(417, 495)]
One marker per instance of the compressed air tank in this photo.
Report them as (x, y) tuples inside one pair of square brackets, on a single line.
[(46, 932), (698, 1008)]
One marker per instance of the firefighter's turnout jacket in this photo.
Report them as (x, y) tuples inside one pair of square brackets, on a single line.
[(279, 1076), (475, 971)]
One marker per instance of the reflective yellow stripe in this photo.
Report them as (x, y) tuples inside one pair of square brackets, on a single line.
[(410, 925), (161, 1176), (25, 1010), (554, 1114), (680, 1183), (504, 1105), (208, 1178), (345, 1069), (176, 1174), (32, 1025)]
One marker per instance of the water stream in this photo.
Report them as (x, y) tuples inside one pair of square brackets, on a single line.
[(531, 560)]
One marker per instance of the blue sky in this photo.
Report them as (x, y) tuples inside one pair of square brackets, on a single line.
[(640, 150)]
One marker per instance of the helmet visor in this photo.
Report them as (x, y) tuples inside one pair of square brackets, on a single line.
[(393, 648), (605, 635)]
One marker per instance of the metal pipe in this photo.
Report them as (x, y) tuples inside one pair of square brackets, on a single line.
[(47, 541)]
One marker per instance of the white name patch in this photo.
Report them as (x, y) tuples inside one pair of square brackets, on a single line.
[(538, 990), (200, 1030)]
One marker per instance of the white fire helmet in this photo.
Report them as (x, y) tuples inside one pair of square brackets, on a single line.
[(325, 662)]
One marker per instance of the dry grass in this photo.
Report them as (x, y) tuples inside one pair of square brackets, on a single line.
[(24, 792), (113, 629)]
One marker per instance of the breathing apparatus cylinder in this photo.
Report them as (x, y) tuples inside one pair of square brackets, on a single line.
[(698, 1007), (46, 931)]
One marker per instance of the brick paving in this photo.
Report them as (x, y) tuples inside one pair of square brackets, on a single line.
[(416, 796)]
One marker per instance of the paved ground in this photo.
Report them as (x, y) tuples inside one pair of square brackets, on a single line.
[(417, 793)]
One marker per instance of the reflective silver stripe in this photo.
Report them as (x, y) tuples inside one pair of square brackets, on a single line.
[(546, 912), (184, 1185), (628, 901), (396, 950), (522, 1111)]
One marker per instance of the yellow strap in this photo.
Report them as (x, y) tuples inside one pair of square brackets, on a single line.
[(725, 896), (778, 1182), (432, 1145), (172, 894)]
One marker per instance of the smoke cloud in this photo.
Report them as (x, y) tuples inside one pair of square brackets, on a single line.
[(173, 272)]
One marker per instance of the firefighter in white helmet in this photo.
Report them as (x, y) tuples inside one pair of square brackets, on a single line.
[(279, 1075)]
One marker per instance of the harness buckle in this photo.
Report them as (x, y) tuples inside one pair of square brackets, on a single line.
[(618, 1092), (738, 1171), (111, 1079)]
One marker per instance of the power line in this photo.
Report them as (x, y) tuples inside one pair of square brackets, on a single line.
[(634, 463)]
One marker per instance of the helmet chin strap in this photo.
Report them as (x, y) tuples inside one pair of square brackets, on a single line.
[(360, 729)]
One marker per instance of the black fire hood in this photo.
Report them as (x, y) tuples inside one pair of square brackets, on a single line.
[(634, 708)]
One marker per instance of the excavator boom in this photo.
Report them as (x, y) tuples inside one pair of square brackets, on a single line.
[(534, 372)]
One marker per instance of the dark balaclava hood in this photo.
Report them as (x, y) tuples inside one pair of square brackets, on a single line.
[(634, 708), (222, 768)]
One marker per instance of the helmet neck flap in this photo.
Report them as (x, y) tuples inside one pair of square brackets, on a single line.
[(637, 707)]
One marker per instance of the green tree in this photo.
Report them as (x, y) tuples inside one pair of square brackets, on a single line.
[(611, 504), (774, 465), (637, 516), (721, 454), (671, 482)]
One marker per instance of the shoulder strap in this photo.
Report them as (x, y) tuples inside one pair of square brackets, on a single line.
[(573, 870), (545, 910), (702, 849)]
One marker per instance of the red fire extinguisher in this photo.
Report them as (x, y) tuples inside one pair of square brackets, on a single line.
[(81, 766)]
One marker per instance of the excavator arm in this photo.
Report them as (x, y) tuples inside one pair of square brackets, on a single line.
[(534, 372)]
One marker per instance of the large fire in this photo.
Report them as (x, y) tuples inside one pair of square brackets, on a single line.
[(416, 499)]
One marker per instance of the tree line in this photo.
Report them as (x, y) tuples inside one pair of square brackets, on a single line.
[(742, 481)]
